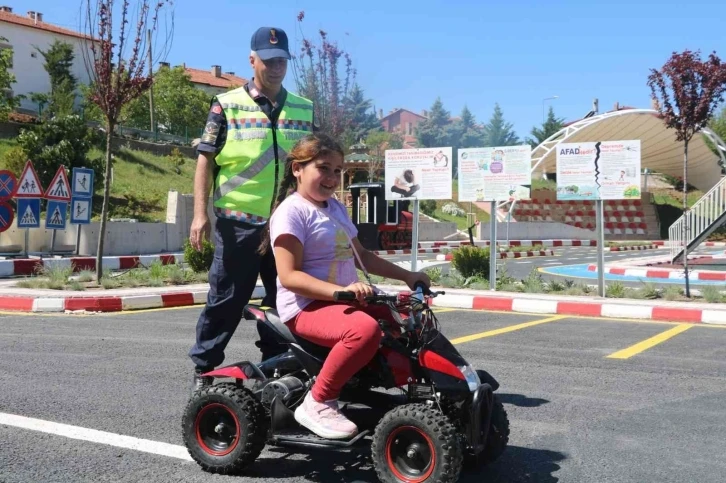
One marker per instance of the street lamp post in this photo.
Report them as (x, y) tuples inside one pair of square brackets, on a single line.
[(543, 106)]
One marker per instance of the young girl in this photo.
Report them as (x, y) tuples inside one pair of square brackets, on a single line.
[(314, 241)]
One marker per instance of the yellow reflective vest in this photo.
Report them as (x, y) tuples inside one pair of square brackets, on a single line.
[(253, 156)]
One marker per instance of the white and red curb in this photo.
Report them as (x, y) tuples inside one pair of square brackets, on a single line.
[(541, 253), (640, 247), (407, 251), (662, 273), (32, 266), (503, 302), (513, 243)]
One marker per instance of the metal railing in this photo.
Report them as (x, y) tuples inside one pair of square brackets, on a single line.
[(700, 220)]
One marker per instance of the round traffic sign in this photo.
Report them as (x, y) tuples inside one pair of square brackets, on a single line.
[(6, 216), (8, 184)]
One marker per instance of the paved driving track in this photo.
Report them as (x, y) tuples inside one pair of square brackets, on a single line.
[(99, 398)]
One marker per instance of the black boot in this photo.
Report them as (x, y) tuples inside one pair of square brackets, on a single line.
[(199, 381)]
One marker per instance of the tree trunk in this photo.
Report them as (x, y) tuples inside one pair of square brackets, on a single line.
[(104, 206), (685, 218)]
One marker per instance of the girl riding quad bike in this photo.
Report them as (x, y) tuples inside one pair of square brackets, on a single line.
[(427, 409)]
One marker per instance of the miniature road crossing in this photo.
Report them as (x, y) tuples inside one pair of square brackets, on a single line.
[(100, 398)]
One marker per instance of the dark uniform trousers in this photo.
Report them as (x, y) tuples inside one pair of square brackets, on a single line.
[(232, 280)]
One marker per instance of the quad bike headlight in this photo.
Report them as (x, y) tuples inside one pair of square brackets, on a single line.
[(472, 378)]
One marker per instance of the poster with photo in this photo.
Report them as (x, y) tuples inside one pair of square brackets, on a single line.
[(608, 170), (423, 174), (495, 174)]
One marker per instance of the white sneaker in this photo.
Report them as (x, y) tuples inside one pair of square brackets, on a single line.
[(324, 419)]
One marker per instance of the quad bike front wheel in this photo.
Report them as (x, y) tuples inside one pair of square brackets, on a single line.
[(224, 428), (416, 443), (497, 438)]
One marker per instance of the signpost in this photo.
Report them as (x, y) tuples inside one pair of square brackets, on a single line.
[(28, 194), (608, 170), (495, 174), (418, 174), (58, 195), (82, 200)]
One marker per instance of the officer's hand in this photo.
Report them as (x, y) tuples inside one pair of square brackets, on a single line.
[(201, 229)]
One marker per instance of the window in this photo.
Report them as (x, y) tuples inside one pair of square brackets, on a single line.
[(409, 128)]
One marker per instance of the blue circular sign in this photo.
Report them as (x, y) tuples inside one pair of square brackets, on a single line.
[(8, 184), (7, 215)]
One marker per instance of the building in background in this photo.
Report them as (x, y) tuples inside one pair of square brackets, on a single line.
[(404, 122), (26, 32), (212, 81)]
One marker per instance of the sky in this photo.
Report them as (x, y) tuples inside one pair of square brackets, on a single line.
[(407, 53)]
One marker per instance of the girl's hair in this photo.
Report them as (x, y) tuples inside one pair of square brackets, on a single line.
[(408, 175), (309, 148)]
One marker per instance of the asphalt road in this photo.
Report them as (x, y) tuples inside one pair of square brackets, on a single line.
[(657, 415)]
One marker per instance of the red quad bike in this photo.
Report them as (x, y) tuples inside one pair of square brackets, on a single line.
[(424, 411)]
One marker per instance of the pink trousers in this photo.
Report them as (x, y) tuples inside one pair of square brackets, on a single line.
[(353, 334)]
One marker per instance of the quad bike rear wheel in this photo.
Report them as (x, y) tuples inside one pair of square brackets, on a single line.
[(497, 438), (224, 428), (416, 443)]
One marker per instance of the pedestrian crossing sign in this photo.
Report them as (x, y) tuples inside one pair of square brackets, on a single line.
[(55, 218), (80, 211), (28, 212), (29, 183), (59, 188)]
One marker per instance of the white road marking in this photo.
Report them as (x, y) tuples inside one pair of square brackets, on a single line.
[(95, 436)]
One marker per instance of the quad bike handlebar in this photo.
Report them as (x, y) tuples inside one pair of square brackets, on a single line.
[(419, 289)]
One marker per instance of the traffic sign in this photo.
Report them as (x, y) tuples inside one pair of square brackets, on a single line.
[(82, 185), (59, 188), (8, 183), (55, 218), (29, 213), (6, 216), (29, 184), (80, 211)]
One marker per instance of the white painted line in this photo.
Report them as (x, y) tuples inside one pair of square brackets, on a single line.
[(48, 305), (95, 436), (713, 316)]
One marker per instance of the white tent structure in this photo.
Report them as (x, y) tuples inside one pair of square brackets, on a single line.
[(660, 150)]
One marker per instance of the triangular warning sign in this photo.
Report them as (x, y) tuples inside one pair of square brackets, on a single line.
[(59, 188), (28, 217), (29, 183)]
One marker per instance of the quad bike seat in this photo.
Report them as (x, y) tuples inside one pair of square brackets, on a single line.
[(270, 318)]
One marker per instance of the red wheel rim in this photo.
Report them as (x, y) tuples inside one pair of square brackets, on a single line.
[(217, 429), (410, 454)]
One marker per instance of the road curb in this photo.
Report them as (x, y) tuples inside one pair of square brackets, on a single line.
[(669, 273), (541, 253), (643, 247), (31, 266), (407, 251), (514, 243)]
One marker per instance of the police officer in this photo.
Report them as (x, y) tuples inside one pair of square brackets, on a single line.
[(248, 133)]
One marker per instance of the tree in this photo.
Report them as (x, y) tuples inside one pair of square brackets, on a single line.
[(378, 142), (116, 77), (432, 131), (687, 91), (498, 132), (59, 64), (178, 104), (549, 127), (464, 133), (360, 118), (318, 77), (7, 79)]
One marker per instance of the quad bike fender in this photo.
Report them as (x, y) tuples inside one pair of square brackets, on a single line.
[(241, 370), (479, 417)]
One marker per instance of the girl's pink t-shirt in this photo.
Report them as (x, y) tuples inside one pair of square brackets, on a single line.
[(327, 251)]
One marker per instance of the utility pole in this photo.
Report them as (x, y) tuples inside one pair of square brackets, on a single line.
[(151, 89)]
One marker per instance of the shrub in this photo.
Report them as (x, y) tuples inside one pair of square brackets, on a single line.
[(176, 159), (471, 260), (453, 209), (199, 261), (615, 290), (60, 141), (428, 207), (14, 160)]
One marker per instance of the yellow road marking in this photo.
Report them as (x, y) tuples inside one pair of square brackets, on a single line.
[(648, 343), (443, 310), (504, 330)]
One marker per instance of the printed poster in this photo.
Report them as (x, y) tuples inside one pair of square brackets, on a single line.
[(495, 174), (423, 174), (608, 170)]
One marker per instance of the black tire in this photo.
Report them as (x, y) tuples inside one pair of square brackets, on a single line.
[(425, 430), (497, 438), (246, 424)]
